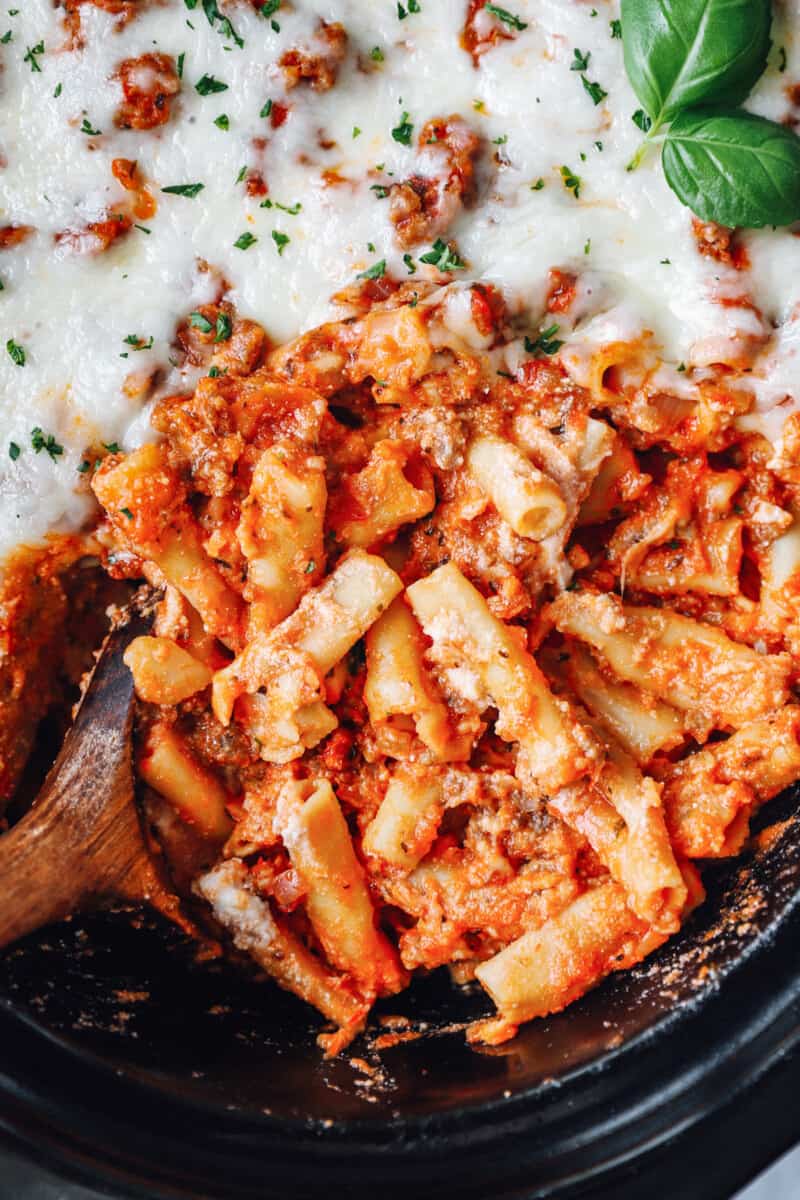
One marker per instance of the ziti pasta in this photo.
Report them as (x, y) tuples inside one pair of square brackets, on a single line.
[(402, 351)]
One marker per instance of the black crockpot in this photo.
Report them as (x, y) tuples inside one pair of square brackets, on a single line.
[(126, 1062)]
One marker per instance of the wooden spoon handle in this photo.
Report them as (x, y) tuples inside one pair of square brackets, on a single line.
[(81, 842)]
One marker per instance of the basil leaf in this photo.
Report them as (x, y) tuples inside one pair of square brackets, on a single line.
[(734, 168), (684, 52)]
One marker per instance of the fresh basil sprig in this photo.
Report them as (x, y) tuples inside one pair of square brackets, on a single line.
[(684, 52), (734, 168), (690, 62)]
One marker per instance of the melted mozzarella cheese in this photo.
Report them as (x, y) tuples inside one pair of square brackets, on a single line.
[(625, 233)]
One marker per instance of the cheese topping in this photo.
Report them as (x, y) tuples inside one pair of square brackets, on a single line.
[(294, 204)]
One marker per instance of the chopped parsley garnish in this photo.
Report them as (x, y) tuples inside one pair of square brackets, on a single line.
[(411, 266), (86, 127), (190, 190), (537, 186), (267, 109), (223, 329), (126, 512), (57, 92), (13, 451), (245, 241), (580, 61), (181, 61), (442, 257), (214, 16), (572, 182), (587, 246), (597, 93), (83, 467), (506, 17), (413, 7), (198, 321), (402, 132), (376, 54), (270, 7), (207, 84), (666, 262), (376, 271), (143, 228), (782, 59), (545, 342), (311, 566), (6, 38), (616, 28), (380, 191), (111, 447), (45, 441), (500, 141), (641, 120), (222, 121), (291, 209), (281, 240), (16, 352), (137, 342), (241, 174), (356, 131), (31, 54)]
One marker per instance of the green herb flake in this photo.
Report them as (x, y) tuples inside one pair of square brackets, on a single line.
[(143, 228), (537, 186), (402, 132), (45, 441), (86, 127), (189, 190), (16, 352), (594, 90), (245, 241), (356, 131), (376, 271), (311, 566), (126, 512), (216, 20), (616, 28), (6, 38), (181, 61), (544, 343), (506, 17), (13, 451), (222, 122), (376, 54), (198, 321), (207, 85), (267, 109), (31, 55), (224, 328), (572, 182), (281, 240), (443, 257), (411, 266), (138, 343), (580, 61)]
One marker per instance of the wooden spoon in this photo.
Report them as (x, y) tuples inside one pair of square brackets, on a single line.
[(82, 845)]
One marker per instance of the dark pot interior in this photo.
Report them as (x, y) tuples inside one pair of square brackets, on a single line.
[(126, 1057)]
